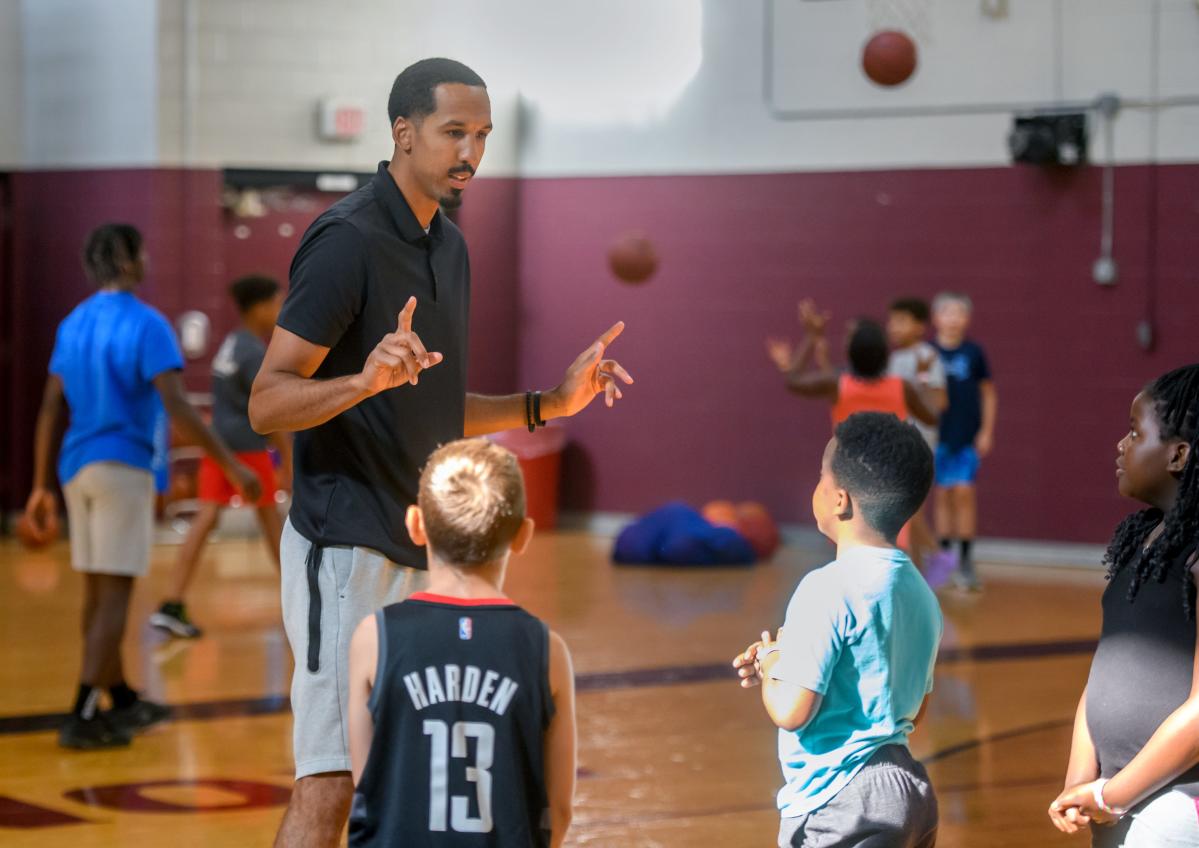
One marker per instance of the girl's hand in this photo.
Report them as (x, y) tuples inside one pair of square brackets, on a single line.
[(1075, 808), (1067, 819)]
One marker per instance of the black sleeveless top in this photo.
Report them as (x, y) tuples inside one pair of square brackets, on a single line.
[(461, 703), (1142, 670)]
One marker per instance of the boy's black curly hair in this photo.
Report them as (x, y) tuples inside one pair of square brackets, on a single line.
[(1175, 399), (886, 467)]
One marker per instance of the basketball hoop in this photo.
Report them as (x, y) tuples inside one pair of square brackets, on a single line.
[(907, 16)]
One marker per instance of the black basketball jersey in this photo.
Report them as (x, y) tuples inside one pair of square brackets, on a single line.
[(461, 703)]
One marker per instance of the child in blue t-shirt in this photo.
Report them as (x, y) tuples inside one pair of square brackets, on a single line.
[(115, 373), (967, 431), (847, 677)]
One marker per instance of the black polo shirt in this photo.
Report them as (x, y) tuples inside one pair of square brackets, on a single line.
[(356, 267)]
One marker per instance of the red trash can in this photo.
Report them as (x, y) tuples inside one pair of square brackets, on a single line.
[(540, 457)]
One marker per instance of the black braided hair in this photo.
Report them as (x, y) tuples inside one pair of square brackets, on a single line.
[(109, 247), (1175, 398)]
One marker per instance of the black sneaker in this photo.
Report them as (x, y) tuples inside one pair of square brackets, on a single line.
[(91, 734), (138, 716), (173, 619)]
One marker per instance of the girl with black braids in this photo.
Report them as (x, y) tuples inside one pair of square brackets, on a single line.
[(1134, 762)]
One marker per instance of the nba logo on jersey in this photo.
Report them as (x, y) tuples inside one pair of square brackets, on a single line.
[(465, 628)]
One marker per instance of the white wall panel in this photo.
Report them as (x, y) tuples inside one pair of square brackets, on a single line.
[(12, 141), (628, 86), (90, 84)]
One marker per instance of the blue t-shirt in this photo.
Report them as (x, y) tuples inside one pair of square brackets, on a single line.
[(965, 369), (107, 353), (863, 632)]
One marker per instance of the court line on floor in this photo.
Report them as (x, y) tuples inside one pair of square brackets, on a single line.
[(592, 682), (584, 826)]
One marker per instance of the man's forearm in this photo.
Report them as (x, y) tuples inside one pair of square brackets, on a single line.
[(288, 402), (493, 413)]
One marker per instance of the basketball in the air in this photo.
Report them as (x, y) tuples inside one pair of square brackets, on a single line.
[(633, 258), (889, 57)]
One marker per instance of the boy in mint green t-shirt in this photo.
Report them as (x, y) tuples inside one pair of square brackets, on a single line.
[(848, 674)]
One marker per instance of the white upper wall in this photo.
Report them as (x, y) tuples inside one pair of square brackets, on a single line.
[(724, 121), (586, 88), (12, 143), (240, 81), (89, 82)]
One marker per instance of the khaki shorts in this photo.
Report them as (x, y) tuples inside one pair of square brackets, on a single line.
[(326, 592), (110, 507)]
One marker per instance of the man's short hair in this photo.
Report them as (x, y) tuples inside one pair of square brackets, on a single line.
[(472, 497), (886, 467), (250, 291), (412, 93)]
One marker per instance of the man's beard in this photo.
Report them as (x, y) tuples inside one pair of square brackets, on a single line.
[(452, 200)]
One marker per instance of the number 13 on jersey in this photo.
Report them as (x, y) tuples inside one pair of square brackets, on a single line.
[(447, 742)]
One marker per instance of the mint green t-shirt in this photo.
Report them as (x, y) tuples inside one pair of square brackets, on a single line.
[(863, 632)]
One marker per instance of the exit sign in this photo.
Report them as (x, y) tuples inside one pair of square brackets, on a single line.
[(340, 119)]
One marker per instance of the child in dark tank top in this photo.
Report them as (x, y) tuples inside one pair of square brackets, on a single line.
[(1133, 774)]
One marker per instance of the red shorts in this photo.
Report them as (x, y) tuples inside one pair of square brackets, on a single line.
[(214, 486)]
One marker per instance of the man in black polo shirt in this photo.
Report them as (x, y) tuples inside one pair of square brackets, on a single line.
[(368, 365)]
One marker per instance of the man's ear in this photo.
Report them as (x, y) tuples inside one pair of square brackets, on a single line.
[(1180, 452), (414, 520), (523, 536), (844, 506), (402, 132)]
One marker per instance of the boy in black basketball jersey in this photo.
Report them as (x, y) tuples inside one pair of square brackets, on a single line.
[(461, 710)]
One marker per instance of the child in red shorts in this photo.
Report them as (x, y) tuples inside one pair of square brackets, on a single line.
[(233, 371)]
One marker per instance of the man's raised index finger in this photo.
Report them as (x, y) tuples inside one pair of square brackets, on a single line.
[(404, 324), (610, 336)]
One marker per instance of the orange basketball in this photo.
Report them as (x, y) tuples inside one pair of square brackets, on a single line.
[(721, 513), (756, 525), (37, 535), (889, 57), (633, 258)]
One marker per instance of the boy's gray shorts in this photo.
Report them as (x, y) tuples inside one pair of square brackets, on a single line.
[(326, 592), (889, 804)]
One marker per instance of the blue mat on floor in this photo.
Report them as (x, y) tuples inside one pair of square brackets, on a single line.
[(676, 534)]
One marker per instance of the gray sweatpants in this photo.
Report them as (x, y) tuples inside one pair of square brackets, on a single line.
[(889, 804), (326, 592)]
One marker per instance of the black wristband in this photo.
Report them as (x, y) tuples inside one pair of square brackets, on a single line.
[(537, 410), (529, 412)]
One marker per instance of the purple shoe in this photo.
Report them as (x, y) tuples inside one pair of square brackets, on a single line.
[(939, 567)]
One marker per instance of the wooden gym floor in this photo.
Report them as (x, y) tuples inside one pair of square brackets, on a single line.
[(672, 752)]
